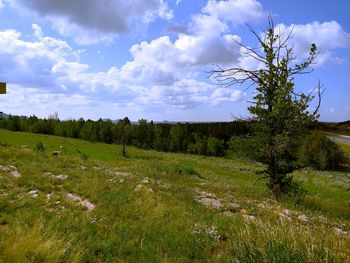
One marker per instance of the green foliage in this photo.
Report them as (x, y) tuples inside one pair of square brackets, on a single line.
[(246, 147), (215, 147), (320, 152), (83, 156), (187, 170), (39, 147), (281, 112), (198, 145), (177, 138)]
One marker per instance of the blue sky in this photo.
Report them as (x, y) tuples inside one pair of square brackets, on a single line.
[(149, 58)]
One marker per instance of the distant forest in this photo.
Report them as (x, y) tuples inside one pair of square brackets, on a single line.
[(210, 139)]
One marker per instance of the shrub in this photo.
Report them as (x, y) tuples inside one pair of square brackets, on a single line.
[(187, 170), (39, 147), (320, 152)]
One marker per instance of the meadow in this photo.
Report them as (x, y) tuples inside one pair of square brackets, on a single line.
[(89, 204)]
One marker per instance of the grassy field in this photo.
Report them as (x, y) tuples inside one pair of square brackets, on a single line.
[(91, 205)]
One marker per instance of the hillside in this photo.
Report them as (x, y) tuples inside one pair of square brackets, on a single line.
[(91, 205)]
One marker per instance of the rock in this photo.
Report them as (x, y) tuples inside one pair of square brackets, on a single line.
[(88, 205), (145, 180), (243, 211), (62, 177), (262, 206), (283, 217), (210, 202), (15, 174), (56, 153), (303, 218), (34, 193), (47, 174), (287, 212), (229, 213), (48, 196), (234, 206), (150, 190), (322, 219), (340, 231), (25, 147), (138, 187), (248, 218)]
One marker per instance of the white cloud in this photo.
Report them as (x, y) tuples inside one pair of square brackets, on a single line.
[(327, 36), (225, 94), (235, 11), (96, 20), (1, 4)]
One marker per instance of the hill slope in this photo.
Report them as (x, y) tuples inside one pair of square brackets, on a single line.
[(89, 204)]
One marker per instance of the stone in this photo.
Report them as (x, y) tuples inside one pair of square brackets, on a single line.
[(56, 153), (287, 212), (138, 187), (88, 205), (248, 218), (322, 219), (243, 211), (34, 193), (145, 180), (15, 174), (47, 174), (62, 177), (48, 196), (303, 218), (229, 213), (339, 231), (210, 202), (25, 147), (283, 217)]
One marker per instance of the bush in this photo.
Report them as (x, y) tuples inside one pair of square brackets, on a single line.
[(186, 170), (39, 147), (322, 153)]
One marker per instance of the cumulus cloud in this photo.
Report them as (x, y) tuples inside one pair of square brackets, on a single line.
[(95, 20), (327, 36), (235, 11), (225, 94), (159, 73)]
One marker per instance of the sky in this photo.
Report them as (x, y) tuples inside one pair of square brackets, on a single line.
[(151, 59)]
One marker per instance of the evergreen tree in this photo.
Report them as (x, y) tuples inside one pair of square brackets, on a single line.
[(281, 112)]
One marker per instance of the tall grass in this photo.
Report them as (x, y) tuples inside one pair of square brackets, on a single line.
[(36, 243), (287, 242)]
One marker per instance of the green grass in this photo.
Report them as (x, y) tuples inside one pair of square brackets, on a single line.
[(147, 208)]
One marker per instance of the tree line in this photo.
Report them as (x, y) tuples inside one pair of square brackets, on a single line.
[(196, 138)]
